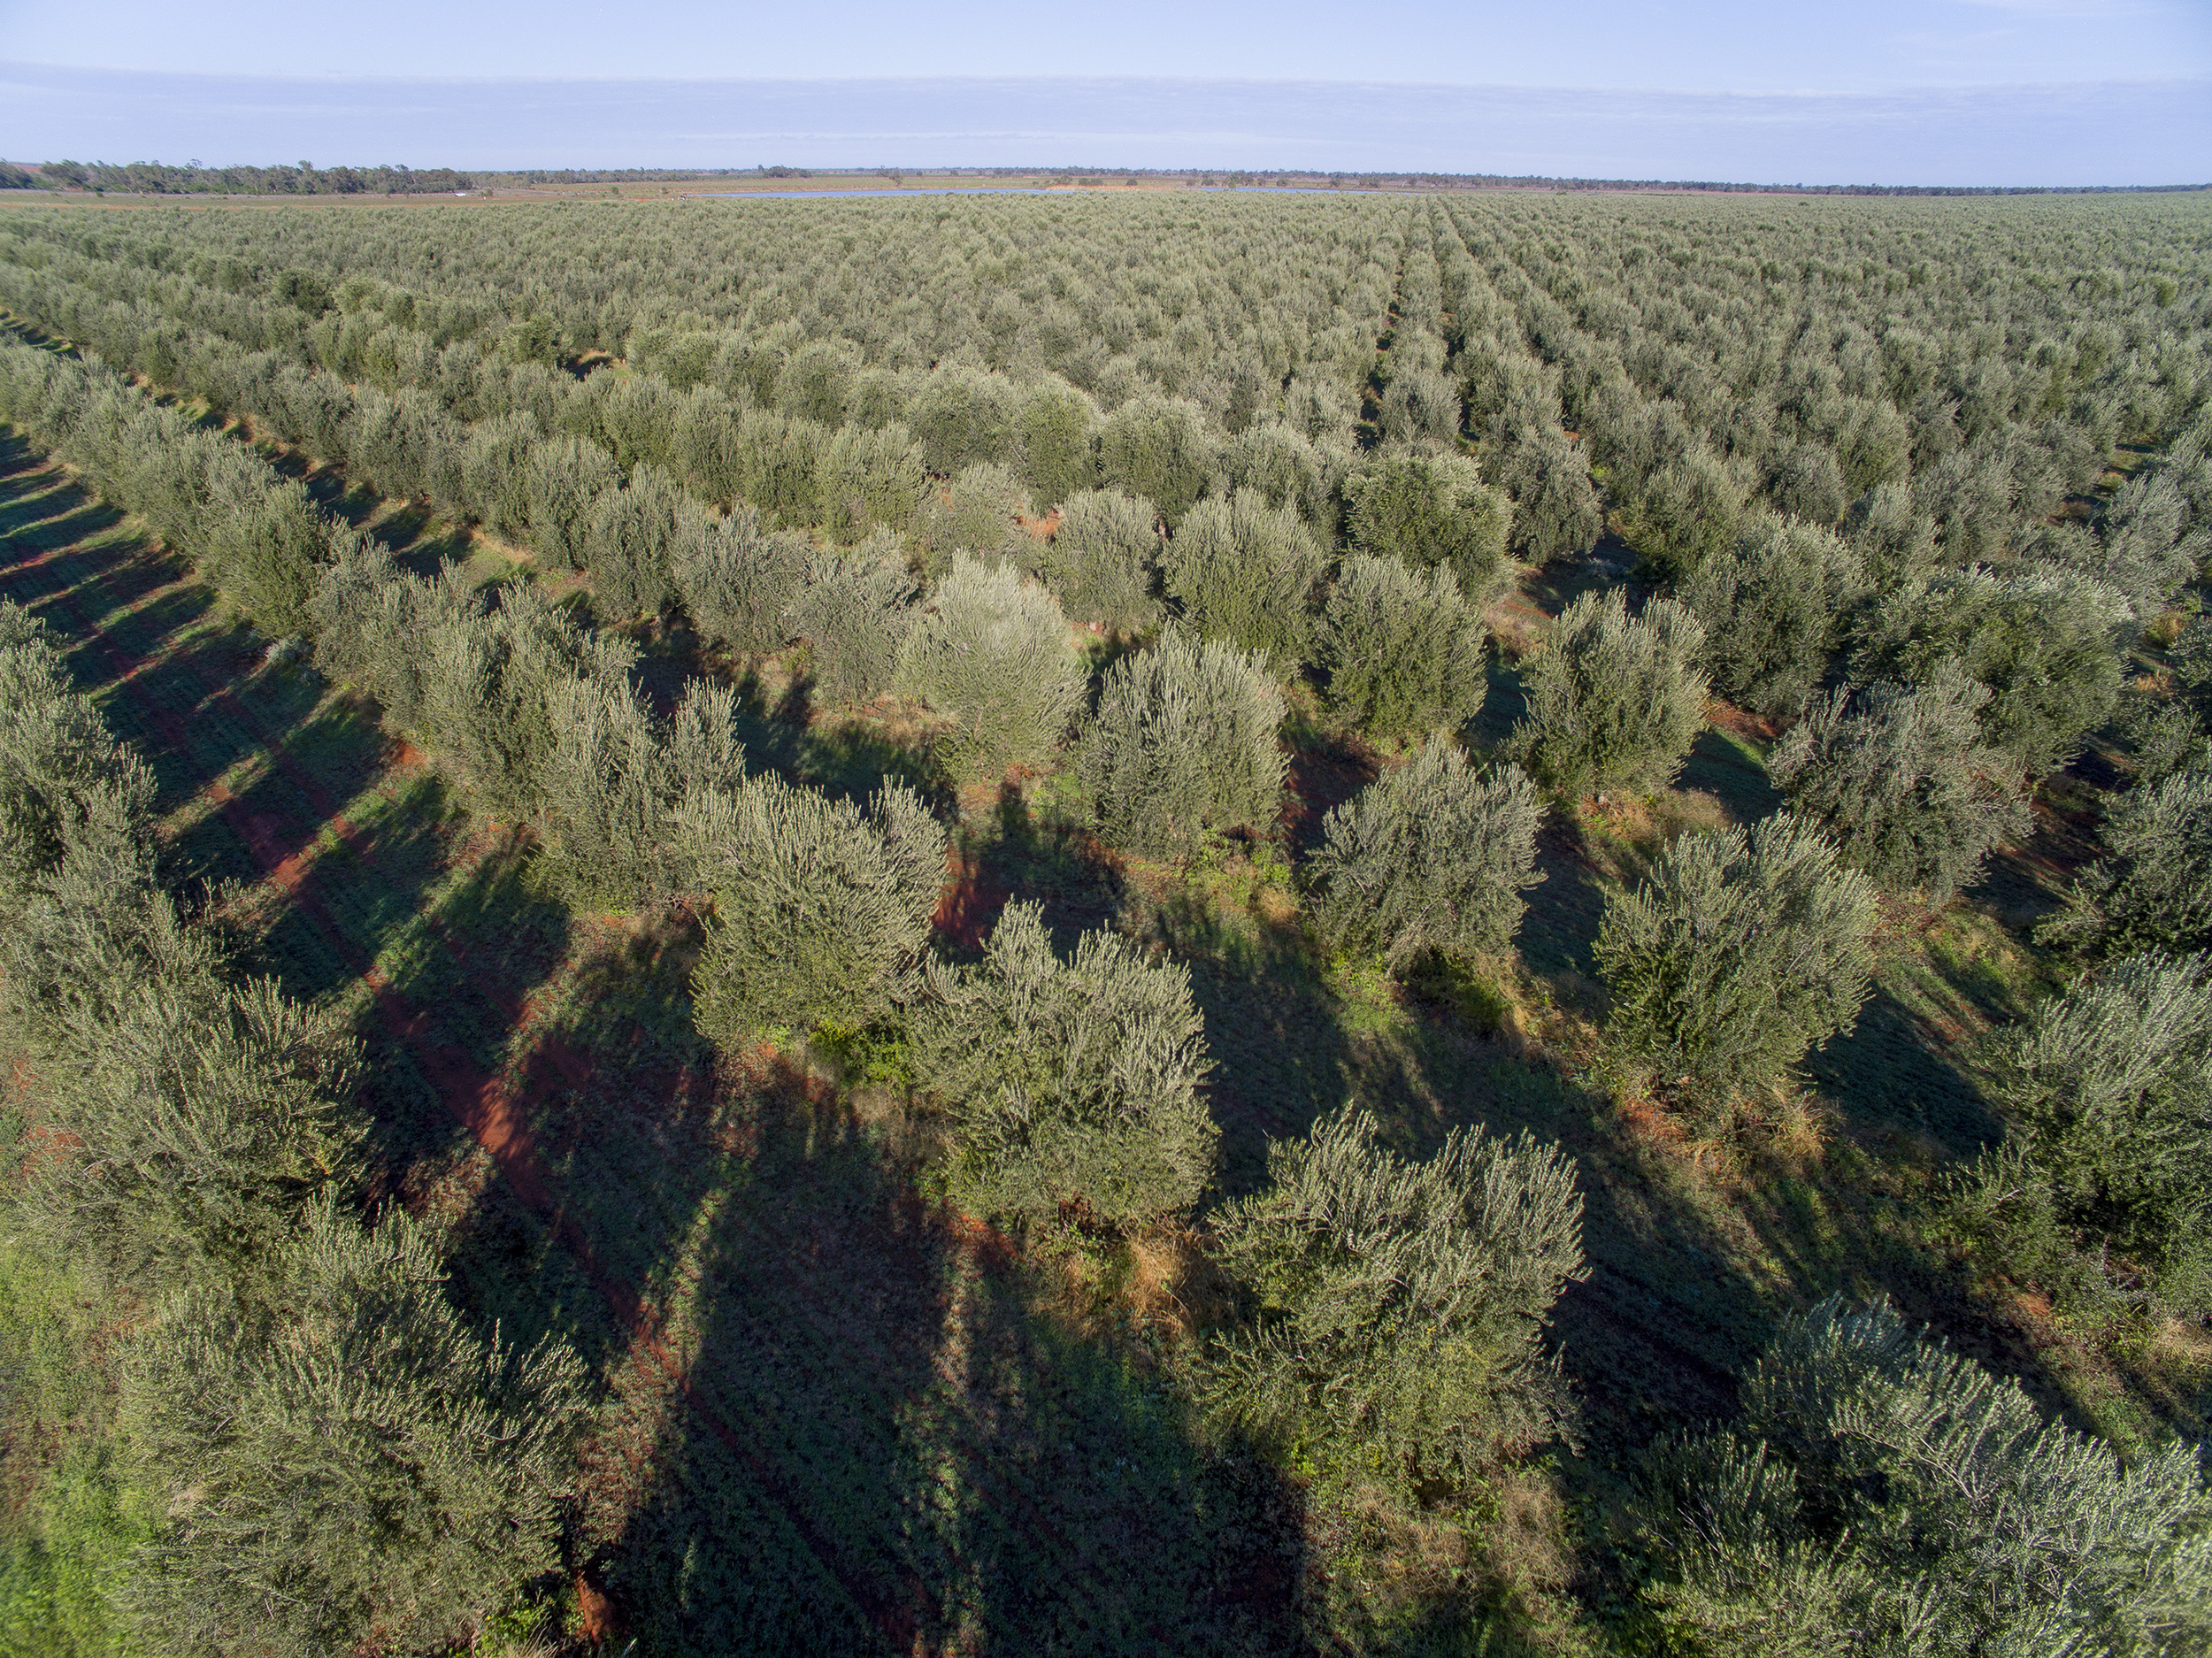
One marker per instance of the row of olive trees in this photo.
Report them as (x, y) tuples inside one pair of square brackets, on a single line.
[(332, 1453)]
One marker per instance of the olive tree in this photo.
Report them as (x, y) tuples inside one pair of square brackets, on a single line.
[(992, 654), (1743, 951), (819, 906), (1103, 559), (1903, 779), (856, 610), (1398, 1307), (1244, 571), (2154, 888), (1614, 701), (1071, 1086), (1158, 448), (1431, 509), (739, 580), (1431, 857), (1881, 1493), (1773, 606), (1184, 744), (1405, 653), (344, 1461)]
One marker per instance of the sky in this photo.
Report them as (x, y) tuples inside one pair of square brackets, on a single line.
[(1891, 91)]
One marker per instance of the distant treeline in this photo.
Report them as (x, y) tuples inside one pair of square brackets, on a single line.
[(159, 179)]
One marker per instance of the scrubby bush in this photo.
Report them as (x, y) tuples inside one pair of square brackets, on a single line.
[(1903, 779), (868, 480), (856, 610), (739, 580), (1071, 1086), (2112, 1085), (1398, 1307), (1052, 428), (1881, 1493), (992, 654), (1245, 571), (1431, 856), (819, 906), (632, 542), (1184, 745), (1431, 509), (1405, 653), (1773, 605), (1103, 559), (345, 1462), (1285, 469), (566, 478), (1614, 701), (1558, 512), (2041, 642), (1743, 951)]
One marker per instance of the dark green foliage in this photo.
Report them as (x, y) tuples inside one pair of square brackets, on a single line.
[(1067, 1082), (1882, 1493), (2042, 642), (2154, 890), (1405, 653), (740, 581), (992, 654), (977, 512), (1431, 857), (2112, 1084), (1399, 1306), (344, 1462), (1104, 560), (1773, 605), (1743, 951), (1245, 571), (1285, 468), (1184, 745), (1430, 509), (1157, 448), (856, 612), (961, 417), (820, 906), (1614, 701), (1904, 782)]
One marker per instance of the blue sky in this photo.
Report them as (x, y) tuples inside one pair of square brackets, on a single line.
[(1936, 91)]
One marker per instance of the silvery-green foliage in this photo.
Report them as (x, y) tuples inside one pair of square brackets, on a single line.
[(1185, 744), (1244, 571), (991, 653), (56, 753), (2112, 1083), (1614, 701), (632, 540), (977, 512), (1742, 951), (1283, 468), (1158, 448), (869, 481), (1066, 1082), (2154, 889), (820, 906), (1773, 605), (1399, 1306), (1904, 780), (739, 580), (1431, 509), (1880, 1493), (338, 1458), (2042, 642), (1103, 559), (606, 784), (856, 611), (1405, 653), (1431, 857), (1687, 511)]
